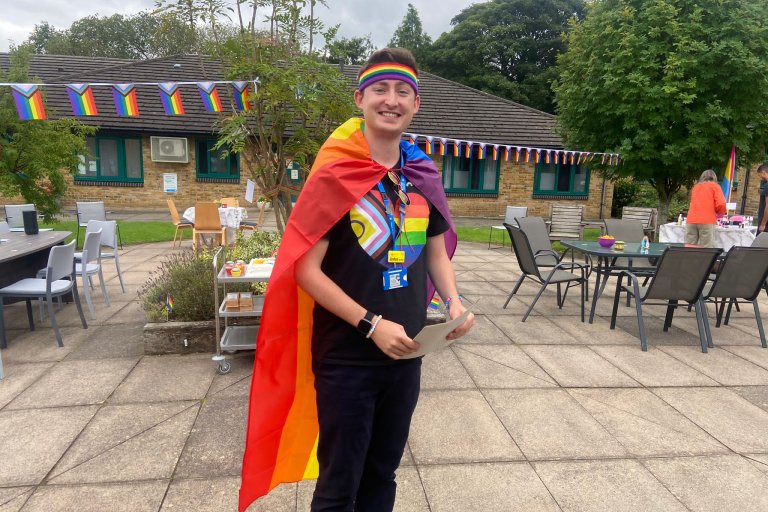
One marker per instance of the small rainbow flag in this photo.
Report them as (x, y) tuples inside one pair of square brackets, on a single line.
[(81, 99), (125, 100), (434, 303), (456, 148), (170, 95), (468, 150), (556, 158), (537, 156), (240, 95), (442, 145), (429, 146), (506, 153), (411, 140), (169, 302), (29, 101), (546, 157), (495, 151), (210, 96), (481, 151)]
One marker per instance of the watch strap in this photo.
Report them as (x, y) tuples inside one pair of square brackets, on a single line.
[(364, 325)]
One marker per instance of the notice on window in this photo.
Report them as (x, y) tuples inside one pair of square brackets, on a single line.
[(170, 183), (250, 188)]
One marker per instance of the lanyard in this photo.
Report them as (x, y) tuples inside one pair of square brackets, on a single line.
[(390, 214)]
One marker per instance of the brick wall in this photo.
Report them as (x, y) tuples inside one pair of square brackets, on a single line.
[(753, 193)]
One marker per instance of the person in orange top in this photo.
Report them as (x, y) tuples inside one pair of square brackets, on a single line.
[(707, 203)]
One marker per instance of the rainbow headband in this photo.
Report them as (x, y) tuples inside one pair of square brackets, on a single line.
[(388, 71)]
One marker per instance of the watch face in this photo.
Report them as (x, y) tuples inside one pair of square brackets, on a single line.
[(365, 324)]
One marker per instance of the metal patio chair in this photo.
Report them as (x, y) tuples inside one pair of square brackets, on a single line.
[(530, 270), (511, 215), (680, 276)]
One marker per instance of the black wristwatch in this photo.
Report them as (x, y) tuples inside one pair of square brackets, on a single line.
[(365, 324)]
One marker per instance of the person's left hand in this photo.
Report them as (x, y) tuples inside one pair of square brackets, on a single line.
[(455, 310)]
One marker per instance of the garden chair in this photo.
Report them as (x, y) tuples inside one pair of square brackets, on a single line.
[(91, 210), (208, 222), (530, 270), (59, 280), (4, 228), (565, 221), (510, 217), (181, 225), (647, 217), (629, 231), (762, 241), (741, 276), (230, 201), (13, 214), (108, 239), (680, 276), (255, 226)]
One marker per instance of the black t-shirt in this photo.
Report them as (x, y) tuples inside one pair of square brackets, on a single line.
[(357, 255)]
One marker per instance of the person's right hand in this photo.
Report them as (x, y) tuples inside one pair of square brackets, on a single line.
[(391, 339)]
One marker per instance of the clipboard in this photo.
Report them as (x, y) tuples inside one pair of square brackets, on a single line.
[(432, 337)]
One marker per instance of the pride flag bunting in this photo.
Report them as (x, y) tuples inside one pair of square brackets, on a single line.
[(170, 95), (443, 143), (456, 148), (240, 96), (81, 99), (29, 101), (495, 151), (210, 96), (467, 149), (125, 100), (481, 151), (429, 146)]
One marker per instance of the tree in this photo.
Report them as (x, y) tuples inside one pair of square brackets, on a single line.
[(34, 154), (410, 34), (507, 48), (352, 50), (669, 84)]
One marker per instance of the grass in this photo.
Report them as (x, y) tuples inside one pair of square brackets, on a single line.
[(131, 233), (479, 234)]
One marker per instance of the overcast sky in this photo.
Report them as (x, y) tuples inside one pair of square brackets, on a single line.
[(379, 18)]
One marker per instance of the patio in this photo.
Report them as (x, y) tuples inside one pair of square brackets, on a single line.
[(550, 414)]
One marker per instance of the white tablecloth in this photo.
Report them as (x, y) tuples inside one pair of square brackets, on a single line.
[(724, 237), (230, 217)]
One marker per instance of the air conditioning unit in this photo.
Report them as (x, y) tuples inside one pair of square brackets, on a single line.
[(169, 149)]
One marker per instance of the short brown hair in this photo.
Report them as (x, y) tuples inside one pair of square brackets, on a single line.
[(763, 168), (399, 55)]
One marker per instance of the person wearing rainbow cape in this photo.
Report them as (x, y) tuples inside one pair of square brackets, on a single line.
[(369, 241)]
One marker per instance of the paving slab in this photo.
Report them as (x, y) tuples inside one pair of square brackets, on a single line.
[(112, 341), (616, 485), (754, 354), (713, 483), (484, 288), (280, 499), (654, 368), (721, 365), (578, 366), (440, 432), (550, 424), (39, 346), (507, 487), (757, 395), (534, 331), (19, 377), (502, 366), (654, 332), (120, 430), (492, 305), (732, 420), (484, 332), (597, 333), (124, 497), (166, 378), (13, 498), (131, 312), (216, 443), (644, 424), (75, 383), (238, 381), (33, 441), (759, 460), (442, 370), (210, 495)]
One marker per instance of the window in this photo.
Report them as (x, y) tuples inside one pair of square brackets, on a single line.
[(472, 175), (215, 164), (561, 180), (111, 158)]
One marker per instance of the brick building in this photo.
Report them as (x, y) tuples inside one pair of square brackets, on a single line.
[(131, 154)]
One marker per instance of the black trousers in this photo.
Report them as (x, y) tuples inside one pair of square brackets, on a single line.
[(364, 414)]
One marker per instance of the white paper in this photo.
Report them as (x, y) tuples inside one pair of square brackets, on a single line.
[(250, 188), (730, 206), (432, 337), (169, 182)]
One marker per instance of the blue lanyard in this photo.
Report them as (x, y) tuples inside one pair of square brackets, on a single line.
[(390, 214)]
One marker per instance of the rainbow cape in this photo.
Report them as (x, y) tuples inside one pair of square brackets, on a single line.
[(281, 439)]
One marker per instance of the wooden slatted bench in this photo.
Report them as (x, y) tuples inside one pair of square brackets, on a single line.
[(647, 216), (566, 222)]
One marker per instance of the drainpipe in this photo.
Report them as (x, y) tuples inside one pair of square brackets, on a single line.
[(602, 198), (744, 186)]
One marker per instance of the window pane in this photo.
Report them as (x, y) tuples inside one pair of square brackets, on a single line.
[(580, 179), (133, 158), (489, 174), (108, 158), (202, 158), (447, 171), (219, 162), (564, 178), (547, 177), (87, 166), (476, 167), (461, 173)]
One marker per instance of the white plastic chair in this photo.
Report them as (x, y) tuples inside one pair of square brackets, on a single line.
[(59, 280), (86, 270), (108, 239), (510, 217), (13, 214), (91, 210), (4, 228)]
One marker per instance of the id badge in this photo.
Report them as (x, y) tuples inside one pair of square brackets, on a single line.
[(396, 257), (395, 278)]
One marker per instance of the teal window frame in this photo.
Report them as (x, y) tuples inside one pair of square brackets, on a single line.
[(232, 160), (559, 174), (122, 174), (477, 174)]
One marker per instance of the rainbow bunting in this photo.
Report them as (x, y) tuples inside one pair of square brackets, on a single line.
[(125, 100), (429, 146), (411, 140), (495, 151), (481, 151), (170, 95), (468, 149), (456, 148), (527, 158), (730, 172), (546, 157), (434, 303), (81, 99), (210, 96), (240, 96), (442, 144), (29, 101)]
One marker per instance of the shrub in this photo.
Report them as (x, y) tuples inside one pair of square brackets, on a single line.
[(188, 276)]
